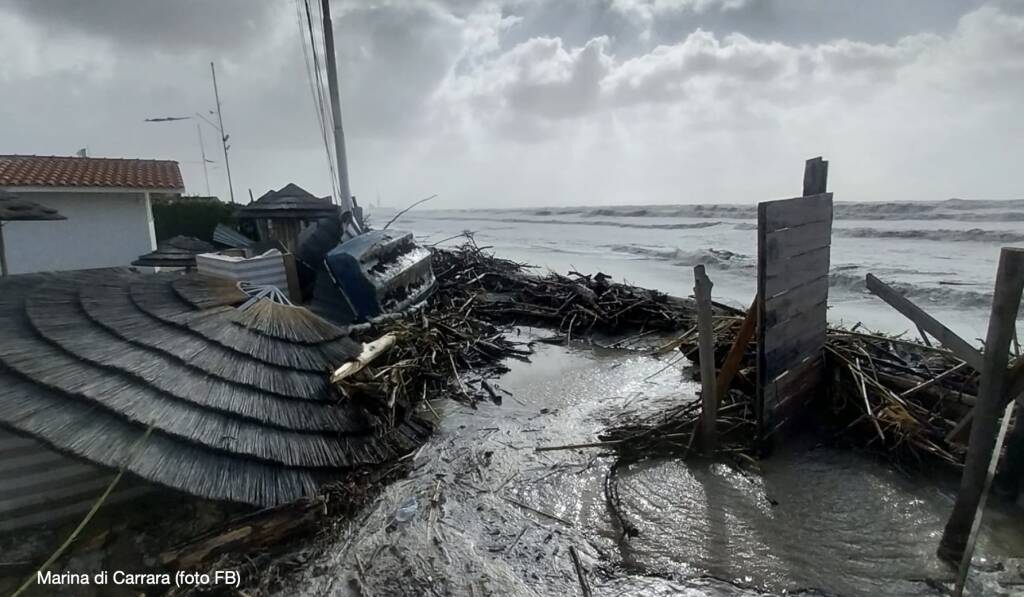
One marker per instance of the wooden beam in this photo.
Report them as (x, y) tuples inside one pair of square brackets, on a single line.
[(991, 400), (990, 472), (815, 176), (735, 356), (706, 345), (371, 351), (1011, 478), (3, 253), (946, 336)]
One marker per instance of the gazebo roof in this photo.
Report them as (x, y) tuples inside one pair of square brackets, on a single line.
[(291, 201), (14, 208), (179, 251)]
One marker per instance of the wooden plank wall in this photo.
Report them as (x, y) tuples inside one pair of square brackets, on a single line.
[(794, 238), (41, 486)]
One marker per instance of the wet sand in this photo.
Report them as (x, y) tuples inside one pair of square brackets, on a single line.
[(494, 517)]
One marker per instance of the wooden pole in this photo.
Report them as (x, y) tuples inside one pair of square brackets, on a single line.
[(340, 154), (706, 346), (991, 392), (815, 176), (965, 560), (3, 253)]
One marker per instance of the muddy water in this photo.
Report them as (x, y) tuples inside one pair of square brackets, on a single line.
[(494, 517)]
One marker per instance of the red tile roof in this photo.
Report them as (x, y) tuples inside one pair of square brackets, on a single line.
[(59, 171)]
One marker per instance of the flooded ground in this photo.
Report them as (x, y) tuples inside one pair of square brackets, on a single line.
[(483, 513)]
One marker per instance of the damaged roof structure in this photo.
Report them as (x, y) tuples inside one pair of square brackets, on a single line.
[(179, 251), (237, 403)]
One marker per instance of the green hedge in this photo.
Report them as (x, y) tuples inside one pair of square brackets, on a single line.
[(190, 218)]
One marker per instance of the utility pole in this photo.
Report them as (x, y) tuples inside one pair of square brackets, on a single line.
[(202, 152), (223, 135), (339, 132)]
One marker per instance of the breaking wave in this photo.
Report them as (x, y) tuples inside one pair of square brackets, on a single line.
[(974, 234), (951, 209), (717, 258), (677, 226), (845, 278), (945, 296)]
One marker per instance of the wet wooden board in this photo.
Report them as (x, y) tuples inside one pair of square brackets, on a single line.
[(797, 271), (794, 239), (800, 211), (796, 301)]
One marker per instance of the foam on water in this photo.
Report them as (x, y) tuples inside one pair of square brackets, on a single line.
[(941, 254)]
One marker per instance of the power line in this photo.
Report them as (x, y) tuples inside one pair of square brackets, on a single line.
[(314, 90), (317, 83)]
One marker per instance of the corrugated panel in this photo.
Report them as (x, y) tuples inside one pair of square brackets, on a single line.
[(42, 486), (230, 238), (266, 271)]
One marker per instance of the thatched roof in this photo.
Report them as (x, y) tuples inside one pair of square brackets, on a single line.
[(13, 208), (179, 251), (291, 201), (240, 401)]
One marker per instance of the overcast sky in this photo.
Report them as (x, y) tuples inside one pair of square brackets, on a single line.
[(540, 102)]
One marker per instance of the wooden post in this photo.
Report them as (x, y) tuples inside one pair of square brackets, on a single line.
[(965, 560), (990, 404), (815, 176), (735, 356), (706, 345), (3, 253), (1011, 477)]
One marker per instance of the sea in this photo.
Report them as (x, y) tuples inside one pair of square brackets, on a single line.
[(942, 255), (809, 520)]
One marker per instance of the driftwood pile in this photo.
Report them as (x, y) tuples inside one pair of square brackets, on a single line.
[(475, 282), (905, 400), (455, 344), (452, 346)]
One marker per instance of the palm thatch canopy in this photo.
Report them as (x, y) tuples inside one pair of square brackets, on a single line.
[(14, 208), (239, 401), (179, 251), (289, 202)]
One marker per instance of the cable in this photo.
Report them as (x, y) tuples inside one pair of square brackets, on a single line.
[(317, 90)]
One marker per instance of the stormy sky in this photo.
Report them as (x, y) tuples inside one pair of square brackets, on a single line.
[(539, 102)]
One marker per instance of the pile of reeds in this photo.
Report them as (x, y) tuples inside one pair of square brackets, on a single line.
[(437, 352), (675, 432), (905, 400), (456, 343), (474, 282)]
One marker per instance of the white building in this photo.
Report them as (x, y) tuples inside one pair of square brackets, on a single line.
[(106, 202)]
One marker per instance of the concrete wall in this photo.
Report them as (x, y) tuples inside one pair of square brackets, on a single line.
[(101, 230)]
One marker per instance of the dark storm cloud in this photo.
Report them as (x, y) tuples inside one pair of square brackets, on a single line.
[(518, 100), (167, 24)]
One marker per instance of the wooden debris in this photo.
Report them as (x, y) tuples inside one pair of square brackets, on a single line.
[(903, 400), (457, 342), (706, 342), (371, 351), (248, 533), (581, 573)]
